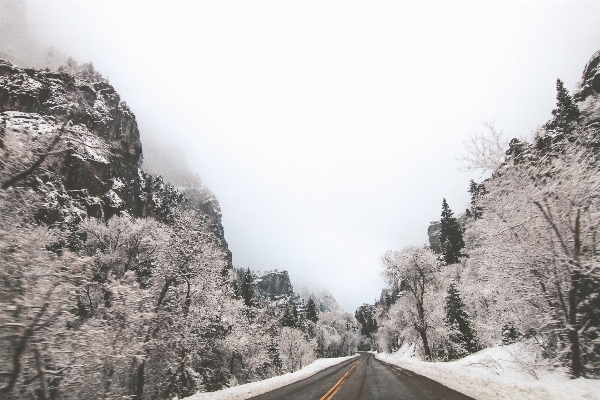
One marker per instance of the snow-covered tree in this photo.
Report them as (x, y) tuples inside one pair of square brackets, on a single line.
[(416, 269), (296, 350), (336, 335), (537, 240)]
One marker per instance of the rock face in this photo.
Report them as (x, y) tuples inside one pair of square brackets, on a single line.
[(275, 288), (96, 170), (102, 130), (590, 84), (274, 285), (324, 300), (433, 231), (587, 96)]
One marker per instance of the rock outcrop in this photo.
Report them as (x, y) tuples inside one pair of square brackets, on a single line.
[(590, 84), (586, 97), (324, 300), (274, 285), (101, 130), (95, 167)]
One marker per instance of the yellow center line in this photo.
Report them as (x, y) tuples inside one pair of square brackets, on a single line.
[(337, 386)]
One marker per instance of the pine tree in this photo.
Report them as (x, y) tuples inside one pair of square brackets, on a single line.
[(311, 311), (477, 190), (365, 315), (462, 333), (451, 236), (247, 288), (566, 110), (510, 334), (290, 316)]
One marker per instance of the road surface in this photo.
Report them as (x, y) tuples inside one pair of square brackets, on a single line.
[(364, 378)]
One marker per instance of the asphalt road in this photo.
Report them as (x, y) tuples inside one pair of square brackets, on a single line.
[(364, 378)]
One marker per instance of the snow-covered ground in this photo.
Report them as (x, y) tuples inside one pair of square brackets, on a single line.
[(255, 388), (498, 373)]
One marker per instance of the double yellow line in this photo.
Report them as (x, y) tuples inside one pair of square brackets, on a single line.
[(337, 386)]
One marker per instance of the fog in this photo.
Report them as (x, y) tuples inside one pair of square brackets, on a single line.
[(329, 132)]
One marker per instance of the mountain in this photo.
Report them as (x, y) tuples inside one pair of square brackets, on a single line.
[(274, 287), (95, 166), (324, 300)]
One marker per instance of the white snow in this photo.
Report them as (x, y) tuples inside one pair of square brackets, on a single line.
[(255, 388), (503, 372)]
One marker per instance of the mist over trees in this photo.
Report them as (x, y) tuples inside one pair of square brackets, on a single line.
[(19, 44)]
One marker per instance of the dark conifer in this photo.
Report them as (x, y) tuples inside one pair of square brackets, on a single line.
[(510, 334), (462, 333), (477, 190), (311, 311), (247, 288), (566, 110), (451, 235), (365, 315), (290, 316)]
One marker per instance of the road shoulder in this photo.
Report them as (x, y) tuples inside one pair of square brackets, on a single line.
[(260, 387)]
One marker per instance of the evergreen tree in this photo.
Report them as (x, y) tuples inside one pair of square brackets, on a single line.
[(247, 288), (477, 190), (365, 314), (462, 333), (451, 236), (566, 110), (274, 353), (290, 316), (311, 311), (510, 334)]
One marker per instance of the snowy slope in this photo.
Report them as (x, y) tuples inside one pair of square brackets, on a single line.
[(255, 388), (498, 373)]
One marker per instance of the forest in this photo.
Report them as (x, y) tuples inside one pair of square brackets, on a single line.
[(522, 263), (115, 284)]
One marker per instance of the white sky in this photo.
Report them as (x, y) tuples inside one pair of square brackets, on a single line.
[(329, 132)]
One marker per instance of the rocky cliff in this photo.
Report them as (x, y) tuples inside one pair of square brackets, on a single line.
[(590, 83), (587, 95), (90, 142), (324, 300), (274, 285)]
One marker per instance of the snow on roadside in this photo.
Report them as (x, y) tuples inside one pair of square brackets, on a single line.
[(497, 373), (255, 388)]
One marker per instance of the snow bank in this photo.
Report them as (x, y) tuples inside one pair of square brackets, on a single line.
[(498, 373), (255, 388)]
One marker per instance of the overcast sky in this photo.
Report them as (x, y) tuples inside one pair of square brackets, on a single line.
[(329, 132)]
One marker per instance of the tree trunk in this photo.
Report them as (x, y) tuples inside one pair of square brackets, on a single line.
[(575, 351), (423, 330), (573, 333), (138, 387), (425, 344)]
